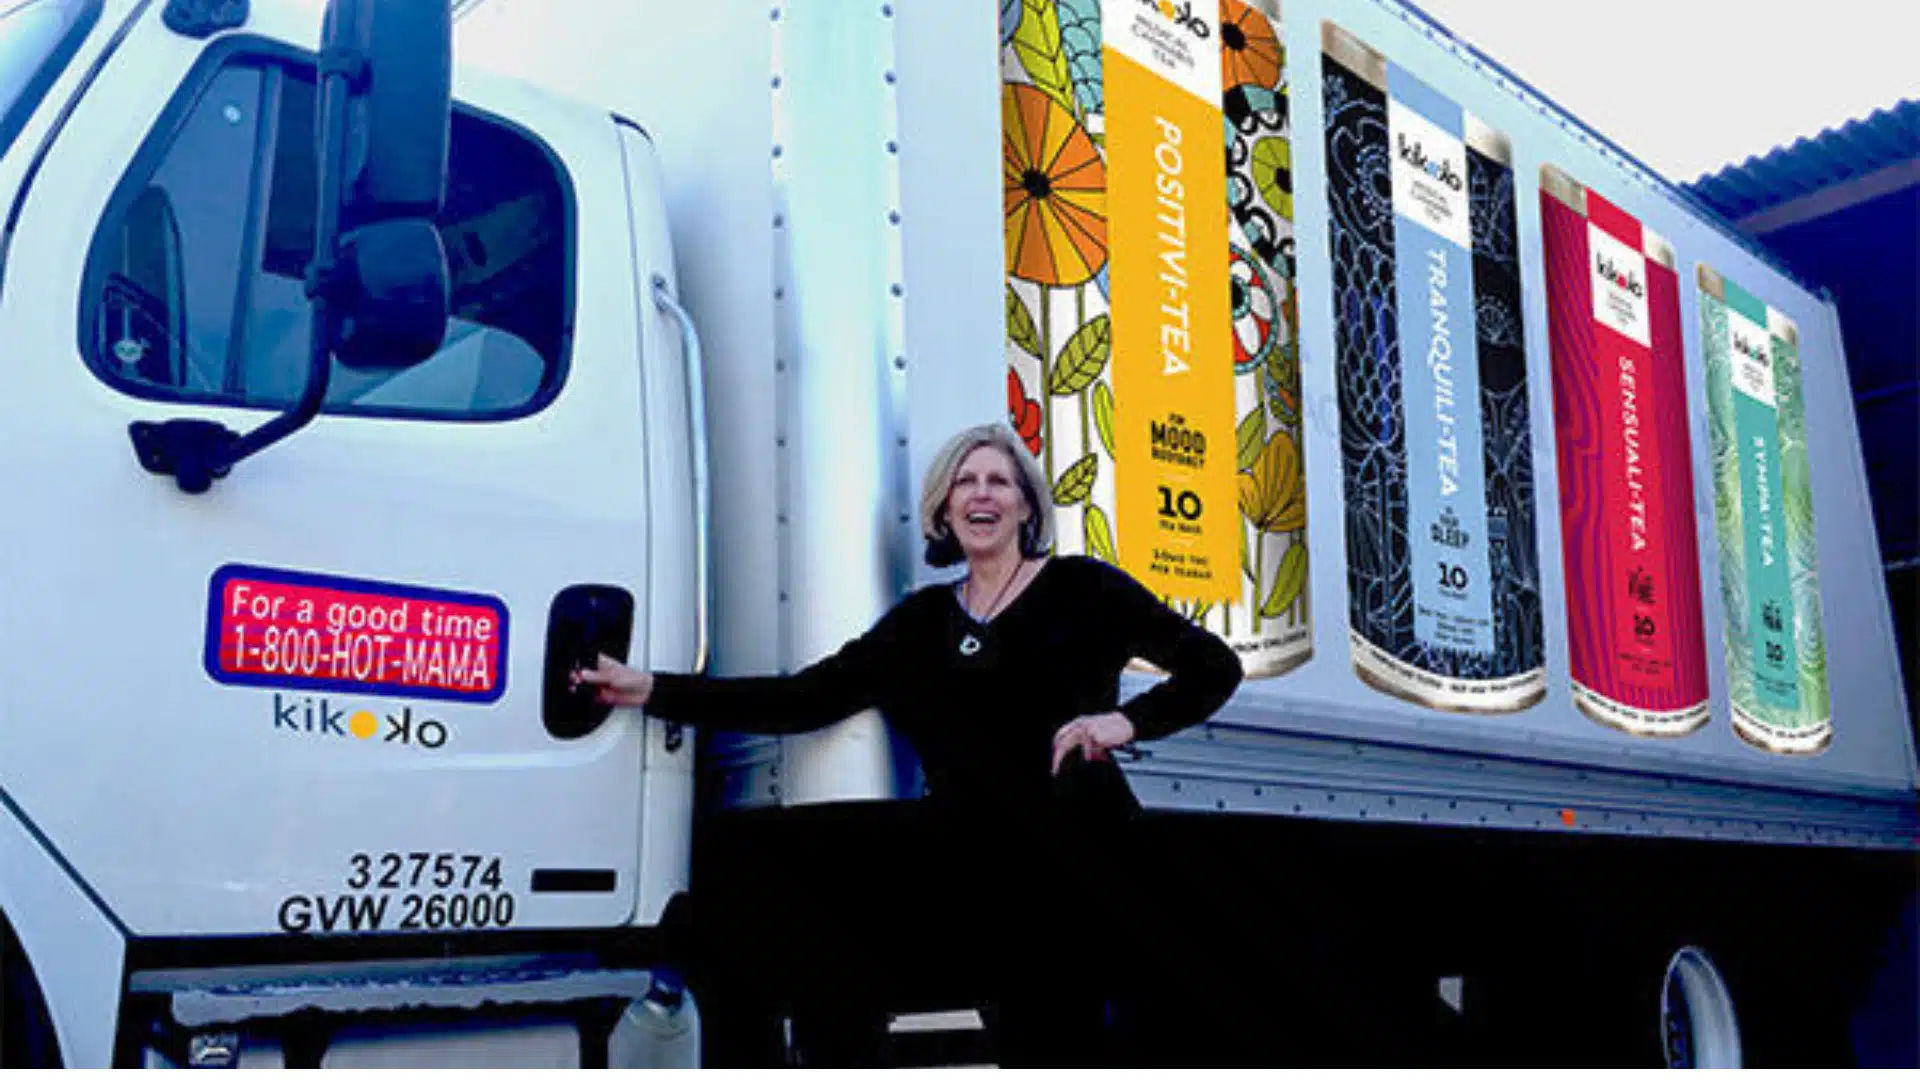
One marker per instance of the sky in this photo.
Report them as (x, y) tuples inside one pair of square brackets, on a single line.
[(1783, 70)]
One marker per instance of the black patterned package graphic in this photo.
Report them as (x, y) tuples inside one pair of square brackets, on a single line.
[(1472, 640)]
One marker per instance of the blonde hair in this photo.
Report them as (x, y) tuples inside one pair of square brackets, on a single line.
[(1036, 533)]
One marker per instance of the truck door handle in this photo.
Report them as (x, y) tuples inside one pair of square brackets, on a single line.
[(584, 621)]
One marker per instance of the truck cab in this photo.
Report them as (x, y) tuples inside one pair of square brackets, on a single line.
[(318, 712)]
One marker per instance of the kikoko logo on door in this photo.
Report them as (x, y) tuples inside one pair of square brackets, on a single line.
[(330, 718)]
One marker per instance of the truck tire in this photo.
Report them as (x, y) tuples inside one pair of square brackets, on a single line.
[(27, 1039), (1571, 1008), (1697, 1020)]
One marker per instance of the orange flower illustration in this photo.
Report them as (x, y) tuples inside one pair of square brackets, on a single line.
[(1249, 50), (1056, 191)]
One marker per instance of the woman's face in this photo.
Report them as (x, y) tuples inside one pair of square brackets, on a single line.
[(985, 507)]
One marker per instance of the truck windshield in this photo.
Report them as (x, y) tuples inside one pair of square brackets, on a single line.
[(37, 38)]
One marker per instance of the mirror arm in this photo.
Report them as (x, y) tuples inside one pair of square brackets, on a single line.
[(340, 60), (198, 452)]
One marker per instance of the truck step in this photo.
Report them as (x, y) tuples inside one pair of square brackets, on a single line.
[(951, 1038), (225, 996)]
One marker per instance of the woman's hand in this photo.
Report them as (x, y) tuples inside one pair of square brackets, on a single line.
[(618, 683), (1093, 736)]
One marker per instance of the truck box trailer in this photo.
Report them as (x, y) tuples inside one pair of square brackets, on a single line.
[(1526, 491)]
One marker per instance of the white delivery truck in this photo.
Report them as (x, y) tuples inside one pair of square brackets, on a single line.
[(289, 771)]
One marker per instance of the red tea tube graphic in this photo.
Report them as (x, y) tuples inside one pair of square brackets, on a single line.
[(1636, 644)]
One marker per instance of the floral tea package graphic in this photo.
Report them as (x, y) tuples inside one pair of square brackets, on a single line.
[(1151, 317)]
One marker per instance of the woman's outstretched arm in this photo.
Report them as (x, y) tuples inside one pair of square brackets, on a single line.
[(835, 687)]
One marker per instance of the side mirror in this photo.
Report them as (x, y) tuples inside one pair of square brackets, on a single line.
[(400, 52), (396, 313), (379, 278), (392, 274)]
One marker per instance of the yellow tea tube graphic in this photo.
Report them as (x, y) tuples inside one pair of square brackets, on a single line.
[(1173, 393), (1151, 321)]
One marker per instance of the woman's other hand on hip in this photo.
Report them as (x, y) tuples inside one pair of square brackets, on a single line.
[(1093, 736)]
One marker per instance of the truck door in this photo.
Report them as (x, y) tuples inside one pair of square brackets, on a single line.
[(317, 698)]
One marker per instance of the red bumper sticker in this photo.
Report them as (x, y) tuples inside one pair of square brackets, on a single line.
[(282, 628)]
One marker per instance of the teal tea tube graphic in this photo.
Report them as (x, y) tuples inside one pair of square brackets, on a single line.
[(1763, 515), (1443, 575)]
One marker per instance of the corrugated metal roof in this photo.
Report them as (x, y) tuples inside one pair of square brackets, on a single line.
[(1835, 156), (1812, 205)]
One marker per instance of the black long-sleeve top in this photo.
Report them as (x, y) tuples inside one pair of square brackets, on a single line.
[(983, 720)]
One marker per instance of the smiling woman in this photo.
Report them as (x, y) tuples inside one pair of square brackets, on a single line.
[(1007, 685), (964, 484)]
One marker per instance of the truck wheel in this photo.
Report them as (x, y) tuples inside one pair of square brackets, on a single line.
[(1698, 1026), (1635, 1005), (27, 1038)]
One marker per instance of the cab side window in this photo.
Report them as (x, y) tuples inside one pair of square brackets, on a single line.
[(196, 286)]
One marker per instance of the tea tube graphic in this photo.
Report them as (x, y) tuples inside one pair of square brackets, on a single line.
[(1763, 515), (1443, 571), (1067, 200), (1635, 641)]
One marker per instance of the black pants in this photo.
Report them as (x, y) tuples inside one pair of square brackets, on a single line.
[(1053, 1015), (1024, 915), (1056, 935)]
